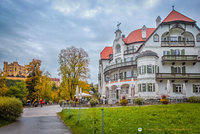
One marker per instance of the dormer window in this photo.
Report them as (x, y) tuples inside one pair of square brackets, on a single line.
[(118, 49), (156, 38), (198, 37)]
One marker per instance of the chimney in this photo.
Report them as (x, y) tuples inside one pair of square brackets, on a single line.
[(144, 32), (158, 20)]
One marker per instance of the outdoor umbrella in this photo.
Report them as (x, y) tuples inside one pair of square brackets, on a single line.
[(156, 87), (168, 87), (184, 89)]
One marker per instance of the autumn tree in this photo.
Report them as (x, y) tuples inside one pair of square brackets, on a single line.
[(33, 80), (3, 87), (73, 68), (45, 87)]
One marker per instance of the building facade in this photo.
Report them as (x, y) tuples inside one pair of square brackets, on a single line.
[(151, 62), (15, 70)]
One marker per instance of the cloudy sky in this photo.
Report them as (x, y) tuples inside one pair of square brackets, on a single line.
[(41, 28)]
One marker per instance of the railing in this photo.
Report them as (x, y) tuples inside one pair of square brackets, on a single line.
[(122, 64), (130, 51), (178, 76), (177, 43), (180, 58), (122, 79)]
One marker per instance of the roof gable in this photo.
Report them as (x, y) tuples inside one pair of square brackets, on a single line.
[(176, 16), (136, 36), (106, 52)]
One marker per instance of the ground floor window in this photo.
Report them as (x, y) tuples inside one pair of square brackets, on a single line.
[(196, 88), (146, 87), (177, 88)]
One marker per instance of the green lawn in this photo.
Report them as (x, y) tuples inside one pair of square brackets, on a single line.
[(156, 119)]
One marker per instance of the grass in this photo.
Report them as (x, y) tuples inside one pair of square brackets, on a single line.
[(4, 122), (155, 119)]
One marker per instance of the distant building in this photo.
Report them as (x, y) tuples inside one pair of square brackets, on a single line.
[(56, 81), (15, 70), (151, 62)]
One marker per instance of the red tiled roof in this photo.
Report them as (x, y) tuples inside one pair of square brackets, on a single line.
[(106, 52), (176, 16), (55, 79), (136, 36)]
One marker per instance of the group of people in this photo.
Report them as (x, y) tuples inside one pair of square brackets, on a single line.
[(41, 102)]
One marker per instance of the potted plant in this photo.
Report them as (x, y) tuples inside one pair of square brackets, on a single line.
[(164, 99), (123, 101), (93, 102), (139, 101)]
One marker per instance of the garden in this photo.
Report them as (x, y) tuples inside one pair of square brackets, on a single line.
[(154, 119)]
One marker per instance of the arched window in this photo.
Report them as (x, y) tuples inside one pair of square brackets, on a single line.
[(156, 38), (198, 37), (118, 49)]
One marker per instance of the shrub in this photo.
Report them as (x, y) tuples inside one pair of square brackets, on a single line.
[(10, 108), (194, 99), (123, 102), (139, 101), (93, 102), (61, 102), (164, 99)]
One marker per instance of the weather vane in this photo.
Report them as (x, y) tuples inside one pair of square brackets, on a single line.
[(118, 24)]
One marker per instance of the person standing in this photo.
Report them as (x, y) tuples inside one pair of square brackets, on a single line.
[(41, 102)]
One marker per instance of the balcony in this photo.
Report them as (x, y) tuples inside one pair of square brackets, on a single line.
[(177, 43), (119, 65), (160, 76), (130, 51), (127, 79), (180, 59)]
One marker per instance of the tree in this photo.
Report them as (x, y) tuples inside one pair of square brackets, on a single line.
[(18, 90), (45, 87), (33, 80), (3, 87), (73, 68)]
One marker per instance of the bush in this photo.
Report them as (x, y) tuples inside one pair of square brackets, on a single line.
[(61, 102), (10, 108), (164, 99), (123, 101), (93, 102), (139, 101), (194, 99)]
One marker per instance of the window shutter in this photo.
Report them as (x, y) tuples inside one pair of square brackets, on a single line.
[(194, 88), (153, 87), (148, 71), (172, 51), (168, 53), (183, 69), (174, 88), (172, 69), (145, 67), (153, 69), (148, 87), (139, 70), (183, 52), (139, 87), (158, 69), (145, 89)]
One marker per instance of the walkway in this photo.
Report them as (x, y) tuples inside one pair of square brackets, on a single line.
[(37, 121)]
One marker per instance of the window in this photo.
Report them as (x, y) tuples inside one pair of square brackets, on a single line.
[(156, 38), (118, 49), (198, 37), (126, 91), (143, 69), (173, 38), (164, 53), (177, 88), (177, 52), (149, 69), (178, 69), (196, 88), (150, 87), (143, 87)]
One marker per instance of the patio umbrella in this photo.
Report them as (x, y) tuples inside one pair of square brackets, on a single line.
[(80, 93), (156, 88), (184, 89), (136, 87), (168, 87), (76, 92)]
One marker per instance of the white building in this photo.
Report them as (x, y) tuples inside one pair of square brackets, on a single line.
[(151, 62)]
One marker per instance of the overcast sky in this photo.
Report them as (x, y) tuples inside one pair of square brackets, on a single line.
[(41, 28)]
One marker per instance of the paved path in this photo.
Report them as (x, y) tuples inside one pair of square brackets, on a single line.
[(37, 121)]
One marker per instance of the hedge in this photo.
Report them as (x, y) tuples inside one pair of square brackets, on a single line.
[(194, 99), (10, 108)]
